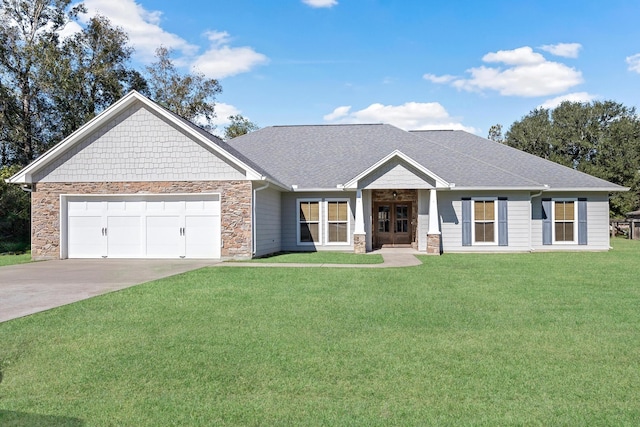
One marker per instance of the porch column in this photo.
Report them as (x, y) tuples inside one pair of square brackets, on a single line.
[(359, 234), (433, 233)]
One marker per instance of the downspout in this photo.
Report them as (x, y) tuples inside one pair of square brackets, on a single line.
[(531, 197), (253, 219), (27, 187)]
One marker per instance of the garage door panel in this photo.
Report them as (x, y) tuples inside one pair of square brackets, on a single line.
[(85, 237), (124, 237), (143, 226), (202, 237), (163, 237)]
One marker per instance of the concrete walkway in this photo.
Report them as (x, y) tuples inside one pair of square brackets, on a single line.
[(33, 287), (391, 258)]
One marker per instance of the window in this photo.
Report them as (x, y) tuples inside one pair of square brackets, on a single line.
[(564, 214), (309, 221), (484, 221), (337, 221)]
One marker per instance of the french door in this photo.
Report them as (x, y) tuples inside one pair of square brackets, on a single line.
[(392, 224)]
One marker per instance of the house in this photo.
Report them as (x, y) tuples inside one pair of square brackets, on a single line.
[(138, 181)]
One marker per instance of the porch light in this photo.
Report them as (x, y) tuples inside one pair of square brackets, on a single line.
[(394, 194)]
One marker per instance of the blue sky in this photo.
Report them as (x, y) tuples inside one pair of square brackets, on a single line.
[(415, 64)]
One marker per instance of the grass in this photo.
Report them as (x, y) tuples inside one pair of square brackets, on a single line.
[(504, 339), (10, 259), (321, 258)]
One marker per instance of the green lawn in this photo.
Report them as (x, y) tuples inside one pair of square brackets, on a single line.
[(14, 259), (540, 339)]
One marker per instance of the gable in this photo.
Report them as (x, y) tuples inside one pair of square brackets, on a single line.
[(396, 173), (137, 145)]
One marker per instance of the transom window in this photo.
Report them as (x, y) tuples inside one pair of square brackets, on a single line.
[(564, 220), (338, 221), (309, 221), (484, 221)]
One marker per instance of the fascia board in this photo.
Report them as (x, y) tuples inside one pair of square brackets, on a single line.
[(494, 188)]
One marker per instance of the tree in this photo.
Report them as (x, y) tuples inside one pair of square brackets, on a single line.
[(238, 126), (601, 138), (191, 96), (15, 208), (90, 72), (495, 133), (27, 28)]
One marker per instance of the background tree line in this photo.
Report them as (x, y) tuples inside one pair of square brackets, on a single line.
[(601, 138), (50, 86)]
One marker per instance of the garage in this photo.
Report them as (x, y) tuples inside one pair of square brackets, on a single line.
[(140, 226)]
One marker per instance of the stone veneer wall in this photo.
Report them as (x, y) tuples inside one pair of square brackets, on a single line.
[(235, 206)]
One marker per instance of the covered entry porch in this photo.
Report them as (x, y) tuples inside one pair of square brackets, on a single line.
[(397, 218)]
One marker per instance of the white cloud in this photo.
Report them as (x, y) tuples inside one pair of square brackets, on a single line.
[(527, 74), (520, 56), (567, 50), (142, 26), (634, 62), (337, 113), (408, 116), (222, 60), (572, 97), (439, 79), (146, 34), (223, 111), (320, 3)]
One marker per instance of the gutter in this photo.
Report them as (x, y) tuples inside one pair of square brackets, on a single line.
[(253, 219)]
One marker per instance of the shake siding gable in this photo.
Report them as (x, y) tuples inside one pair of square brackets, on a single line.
[(396, 174), (137, 145)]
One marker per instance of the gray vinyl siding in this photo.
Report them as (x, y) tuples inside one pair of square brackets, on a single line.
[(137, 145), (290, 224), (450, 209), (597, 222), (268, 221)]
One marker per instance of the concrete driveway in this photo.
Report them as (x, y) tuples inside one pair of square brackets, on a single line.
[(30, 288)]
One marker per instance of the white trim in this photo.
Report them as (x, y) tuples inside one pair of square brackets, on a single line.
[(575, 221), (353, 183), (495, 221), (326, 221), (320, 218)]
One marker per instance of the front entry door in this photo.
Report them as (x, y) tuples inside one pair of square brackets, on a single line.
[(393, 226)]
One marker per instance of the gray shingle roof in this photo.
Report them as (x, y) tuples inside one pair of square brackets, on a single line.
[(325, 156)]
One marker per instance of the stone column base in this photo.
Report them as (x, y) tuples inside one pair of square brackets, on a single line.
[(433, 244), (360, 243)]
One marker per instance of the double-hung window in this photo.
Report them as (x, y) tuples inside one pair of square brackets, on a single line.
[(564, 220), (338, 221), (309, 221), (484, 221)]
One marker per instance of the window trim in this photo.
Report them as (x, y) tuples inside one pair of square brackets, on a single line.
[(495, 241), (326, 221), (320, 221), (575, 221)]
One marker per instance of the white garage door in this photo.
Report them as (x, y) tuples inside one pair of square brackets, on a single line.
[(186, 226)]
